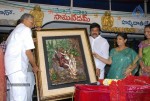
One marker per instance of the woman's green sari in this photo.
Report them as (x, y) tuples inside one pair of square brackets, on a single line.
[(120, 62), (145, 57)]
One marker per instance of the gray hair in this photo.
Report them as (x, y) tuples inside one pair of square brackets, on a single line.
[(26, 16)]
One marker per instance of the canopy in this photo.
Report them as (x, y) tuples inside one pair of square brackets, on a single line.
[(117, 5)]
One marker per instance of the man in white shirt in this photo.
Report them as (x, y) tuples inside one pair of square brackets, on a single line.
[(100, 46), (17, 57)]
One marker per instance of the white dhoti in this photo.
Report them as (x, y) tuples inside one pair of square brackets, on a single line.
[(102, 71), (18, 86), (31, 81)]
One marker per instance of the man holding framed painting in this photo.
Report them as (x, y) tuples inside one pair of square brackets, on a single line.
[(100, 46), (17, 57)]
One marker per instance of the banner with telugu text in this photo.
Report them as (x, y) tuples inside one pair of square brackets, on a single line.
[(115, 21)]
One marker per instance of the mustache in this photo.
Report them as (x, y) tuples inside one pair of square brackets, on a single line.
[(95, 34)]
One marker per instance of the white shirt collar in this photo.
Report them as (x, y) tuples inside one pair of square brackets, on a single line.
[(96, 37)]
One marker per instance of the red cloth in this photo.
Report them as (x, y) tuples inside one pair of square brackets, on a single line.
[(131, 88), (2, 77), (91, 93)]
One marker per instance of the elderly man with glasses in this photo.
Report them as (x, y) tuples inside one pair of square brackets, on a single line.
[(17, 57)]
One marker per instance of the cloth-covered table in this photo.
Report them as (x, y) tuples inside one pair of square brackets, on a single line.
[(130, 89)]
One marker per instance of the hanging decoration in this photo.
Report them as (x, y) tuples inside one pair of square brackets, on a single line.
[(138, 12), (38, 15)]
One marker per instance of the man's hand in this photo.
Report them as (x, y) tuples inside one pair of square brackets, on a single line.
[(32, 61), (34, 40), (97, 72), (35, 69)]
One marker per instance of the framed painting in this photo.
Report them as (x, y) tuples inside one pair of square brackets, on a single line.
[(65, 59)]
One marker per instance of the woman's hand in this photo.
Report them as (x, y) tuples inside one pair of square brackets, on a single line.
[(127, 72), (96, 55), (106, 61), (146, 69)]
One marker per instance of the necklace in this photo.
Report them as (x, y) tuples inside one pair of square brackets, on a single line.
[(120, 49), (147, 42)]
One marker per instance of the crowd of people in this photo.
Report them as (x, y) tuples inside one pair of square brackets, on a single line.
[(124, 61), (19, 61)]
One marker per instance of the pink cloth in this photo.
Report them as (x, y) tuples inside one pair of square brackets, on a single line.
[(2, 77), (143, 45)]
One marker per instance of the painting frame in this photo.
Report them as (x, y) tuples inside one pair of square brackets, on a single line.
[(56, 89)]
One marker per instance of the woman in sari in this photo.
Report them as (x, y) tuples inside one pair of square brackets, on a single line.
[(144, 53), (122, 59)]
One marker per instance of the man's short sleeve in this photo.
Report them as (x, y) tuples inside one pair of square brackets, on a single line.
[(28, 41)]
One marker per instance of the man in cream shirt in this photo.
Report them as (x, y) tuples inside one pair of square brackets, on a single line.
[(100, 46)]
